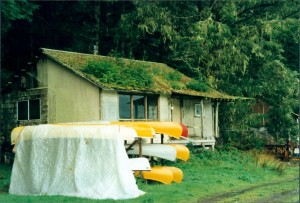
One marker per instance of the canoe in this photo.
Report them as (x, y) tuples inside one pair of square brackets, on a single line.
[(127, 133), (139, 164), (182, 152), (15, 134), (185, 131), (164, 174), (143, 130), (156, 150), (149, 128), (171, 129), (164, 151), (159, 174), (177, 173)]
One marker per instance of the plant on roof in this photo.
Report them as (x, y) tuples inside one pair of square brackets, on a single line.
[(117, 73), (198, 85), (174, 78)]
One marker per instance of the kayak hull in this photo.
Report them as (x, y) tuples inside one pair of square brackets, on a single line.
[(164, 174)]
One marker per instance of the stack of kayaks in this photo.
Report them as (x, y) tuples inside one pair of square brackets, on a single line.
[(170, 152), (134, 131)]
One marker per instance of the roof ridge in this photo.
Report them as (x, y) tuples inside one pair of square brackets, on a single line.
[(73, 52)]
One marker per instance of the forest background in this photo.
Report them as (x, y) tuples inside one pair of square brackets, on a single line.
[(247, 48)]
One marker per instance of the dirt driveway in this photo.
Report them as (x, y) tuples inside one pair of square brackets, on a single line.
[(282, 197)]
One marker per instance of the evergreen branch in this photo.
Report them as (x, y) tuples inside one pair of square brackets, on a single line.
[(292, 13)]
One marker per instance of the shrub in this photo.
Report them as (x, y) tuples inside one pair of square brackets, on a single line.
[(268, 161)]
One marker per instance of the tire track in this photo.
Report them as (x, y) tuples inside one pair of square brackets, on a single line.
[(239, 192)]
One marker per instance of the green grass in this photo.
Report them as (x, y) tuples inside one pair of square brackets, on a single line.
[(245, 176)]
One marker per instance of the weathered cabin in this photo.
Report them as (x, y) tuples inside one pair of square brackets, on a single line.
[(74, 87)]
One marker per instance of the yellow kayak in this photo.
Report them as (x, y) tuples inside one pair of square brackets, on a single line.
[(164, 174), (177, 173), (15, 134), (182, 152), (171, 129), (142, 129), (159, 174)]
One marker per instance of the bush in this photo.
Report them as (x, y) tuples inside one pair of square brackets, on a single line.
[(6, 155), (245, 140)]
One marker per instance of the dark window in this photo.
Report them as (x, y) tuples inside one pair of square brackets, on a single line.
[(133, 107), (29, 110), (152, 108), (124, 106), (139, 107), (34, 109), (23, 110)]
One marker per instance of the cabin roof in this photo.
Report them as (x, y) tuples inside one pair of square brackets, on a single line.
[(155, 77)]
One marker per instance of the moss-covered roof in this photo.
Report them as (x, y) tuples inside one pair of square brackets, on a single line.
[(160, 83)]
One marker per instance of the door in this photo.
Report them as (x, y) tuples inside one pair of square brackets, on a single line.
[(208, 127), (175, 110)]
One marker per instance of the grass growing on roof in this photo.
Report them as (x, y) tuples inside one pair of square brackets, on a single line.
[(139, 75), (198, 85), (116, 72)]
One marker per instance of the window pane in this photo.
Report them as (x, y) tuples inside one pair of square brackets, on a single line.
[(34, 109), (124, 106), (23, 110), (198, 111), (152, 107), (138, 107)]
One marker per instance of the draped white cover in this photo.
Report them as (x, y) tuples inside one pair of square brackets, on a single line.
[(82, 161)]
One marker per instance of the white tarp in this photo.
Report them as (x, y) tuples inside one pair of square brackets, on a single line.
[(82, 161)]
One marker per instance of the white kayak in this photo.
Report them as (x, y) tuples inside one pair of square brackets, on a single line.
[(156, 150)]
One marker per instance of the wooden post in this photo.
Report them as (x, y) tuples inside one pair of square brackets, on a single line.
[(145, 109), (216, 119), (202, 119), (130, 146), (162, 142), (140, 147), (151, 158)]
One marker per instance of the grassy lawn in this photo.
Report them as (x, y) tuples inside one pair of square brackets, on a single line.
[(219, 176)]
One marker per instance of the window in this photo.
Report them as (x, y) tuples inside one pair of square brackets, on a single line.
[(152, 108), (29, 109), (23, 110), (124, 106), (138, 107), (197, 110)]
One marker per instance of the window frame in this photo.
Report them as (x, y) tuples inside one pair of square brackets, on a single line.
[(198, 110), (28, 110), (145, 105)]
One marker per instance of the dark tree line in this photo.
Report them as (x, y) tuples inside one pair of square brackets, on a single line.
[(245, 48)]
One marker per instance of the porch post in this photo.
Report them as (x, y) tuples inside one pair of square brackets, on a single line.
[(202, 119), (217, 119)]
